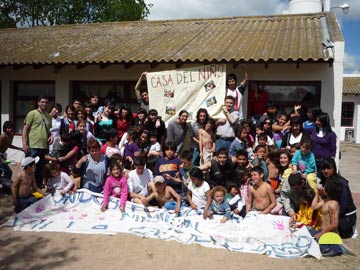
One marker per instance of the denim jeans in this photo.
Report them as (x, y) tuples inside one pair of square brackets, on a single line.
[(40, 165)]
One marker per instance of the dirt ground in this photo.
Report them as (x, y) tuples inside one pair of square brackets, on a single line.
[(44, 250)]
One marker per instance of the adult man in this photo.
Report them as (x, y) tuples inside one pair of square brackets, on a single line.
[(142, 95), (236, 91), (225, 132), (6, 139), (139, 181), (36, 135), (290, 195)]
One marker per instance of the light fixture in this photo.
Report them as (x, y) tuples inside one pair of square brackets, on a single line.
[(344, 7)]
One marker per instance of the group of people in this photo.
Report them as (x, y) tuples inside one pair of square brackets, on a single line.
[(271, 163)]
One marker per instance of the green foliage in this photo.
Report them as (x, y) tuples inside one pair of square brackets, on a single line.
[(55, 12)]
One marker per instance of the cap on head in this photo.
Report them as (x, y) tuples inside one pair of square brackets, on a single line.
[(158, 179), (28, 160)]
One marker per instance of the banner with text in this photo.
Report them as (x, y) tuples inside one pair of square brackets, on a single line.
[(80, 213), (188, 89)]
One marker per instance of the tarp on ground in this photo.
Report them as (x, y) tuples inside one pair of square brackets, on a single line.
[(80, 213)]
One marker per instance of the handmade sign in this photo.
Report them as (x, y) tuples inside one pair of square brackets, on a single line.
[(80, 213), (188, 89)]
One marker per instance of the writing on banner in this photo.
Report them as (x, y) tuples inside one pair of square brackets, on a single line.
[(187, 89)]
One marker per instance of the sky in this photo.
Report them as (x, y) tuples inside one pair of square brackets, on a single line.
[(185, 9)]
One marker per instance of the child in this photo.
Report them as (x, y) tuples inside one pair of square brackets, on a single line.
[(233, 198), (261, 196), (168, 167), (241, 134), (280, 128), (110, 147), (165, 196), (198, 193), (272, 162), (154, 151), (260, 154), (243, 174), (207, 141), (130, 148), (304, 161), (58, 180), (116, 186), (75, 178), (24, 185), (218, 205), (307, 216), (330, 214), (85, 135), (186, 165)]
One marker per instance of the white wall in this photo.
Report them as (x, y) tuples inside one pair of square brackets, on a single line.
[(356, 121), (330, 93)]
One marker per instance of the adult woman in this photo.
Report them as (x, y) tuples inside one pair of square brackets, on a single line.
[(177, 130), (295, 134), (68, 120), (104, 121), (123, 121), (347, 213), (56, 122), (323, 139), (80, 114), (285, 167), (202, 117), (92, 167), (143, 144)]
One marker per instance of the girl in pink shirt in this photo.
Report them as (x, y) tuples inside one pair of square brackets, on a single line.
[(116, 186)]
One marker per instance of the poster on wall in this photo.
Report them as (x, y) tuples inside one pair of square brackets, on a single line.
[(187, 89)]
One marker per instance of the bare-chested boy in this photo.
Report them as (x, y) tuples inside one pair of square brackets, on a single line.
[(329, 203), (165, 196), (261, 196), (24, 185), (207, 141)]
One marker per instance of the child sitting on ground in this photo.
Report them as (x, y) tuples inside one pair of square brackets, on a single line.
[(57, 180), (165, 196), (198, 193), (218, 205), (115, 186), (330, 214), (304, 162), (24, 185), (234, 199), (307, 216), (261, 196)]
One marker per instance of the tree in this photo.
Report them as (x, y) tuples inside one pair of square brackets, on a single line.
[(54, 12)]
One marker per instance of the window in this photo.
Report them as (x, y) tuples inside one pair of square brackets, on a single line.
[(26, 94), (347, 114), (288, 93), (121, 91)]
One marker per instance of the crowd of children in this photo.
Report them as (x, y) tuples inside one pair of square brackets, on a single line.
[(139, 164)]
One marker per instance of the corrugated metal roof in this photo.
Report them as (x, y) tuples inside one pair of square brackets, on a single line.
[(351, 85), (280, 38)]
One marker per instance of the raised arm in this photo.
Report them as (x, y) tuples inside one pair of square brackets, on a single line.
[(138, 84)]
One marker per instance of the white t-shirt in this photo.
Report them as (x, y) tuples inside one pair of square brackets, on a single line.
[(198, 194), (138, 183), (156, 147)]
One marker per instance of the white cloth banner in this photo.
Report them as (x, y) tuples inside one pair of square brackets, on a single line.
[(80, 213), (188, 89)]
